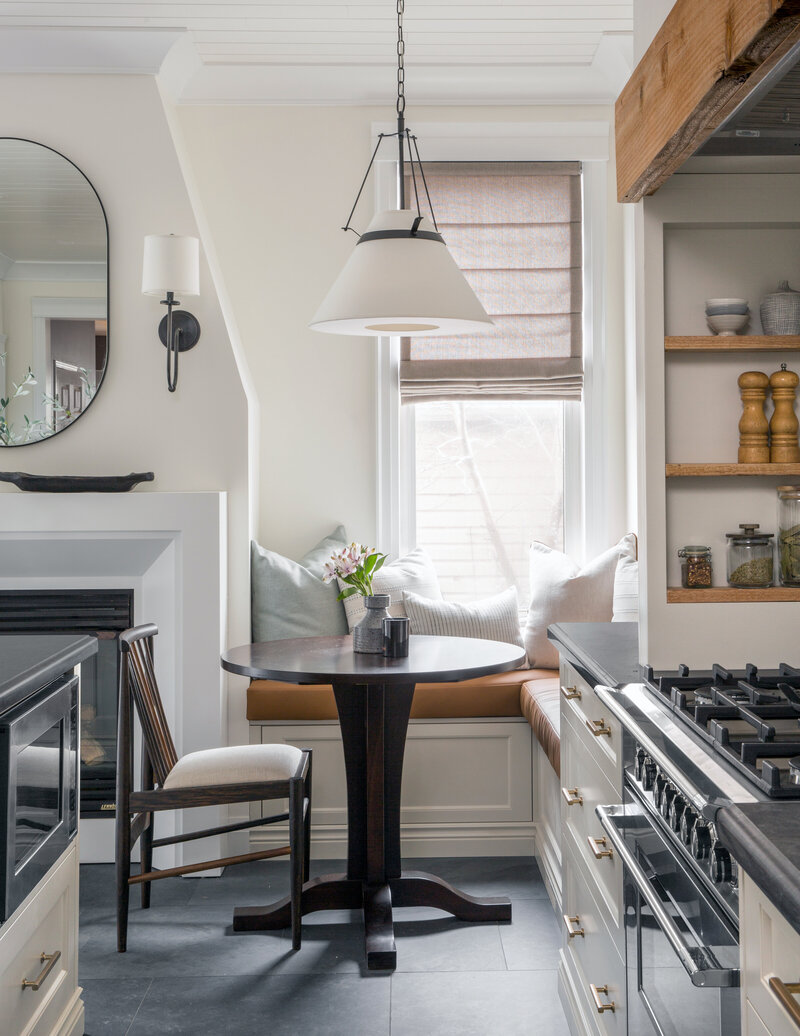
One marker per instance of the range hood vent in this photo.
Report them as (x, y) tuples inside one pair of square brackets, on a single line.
[(767, 122)]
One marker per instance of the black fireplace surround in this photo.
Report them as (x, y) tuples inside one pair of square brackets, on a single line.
[(103, 614)]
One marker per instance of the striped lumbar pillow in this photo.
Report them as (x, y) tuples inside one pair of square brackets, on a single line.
[(494, 618)]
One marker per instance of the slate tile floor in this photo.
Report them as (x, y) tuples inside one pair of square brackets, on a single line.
[(185, 972)]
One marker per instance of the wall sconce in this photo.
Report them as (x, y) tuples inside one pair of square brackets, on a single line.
[(172, 266)]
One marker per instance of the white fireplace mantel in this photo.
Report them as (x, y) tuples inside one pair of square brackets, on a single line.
[(170, 548)]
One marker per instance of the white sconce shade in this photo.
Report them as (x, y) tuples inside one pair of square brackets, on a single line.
[(401, 283), (171, 263)]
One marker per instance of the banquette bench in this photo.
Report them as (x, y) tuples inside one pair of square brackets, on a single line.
[(478, 779)]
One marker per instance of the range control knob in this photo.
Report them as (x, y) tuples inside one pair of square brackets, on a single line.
[(688, 820), (667, 796), (676, 811), (701, 840), (719, 866), (648, 774), (659, 784)]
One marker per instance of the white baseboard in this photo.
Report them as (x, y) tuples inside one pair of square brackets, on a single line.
[(420, 840), (549, 859)]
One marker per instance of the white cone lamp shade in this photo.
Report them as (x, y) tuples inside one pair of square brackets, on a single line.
[(401, 284), (171, 263)]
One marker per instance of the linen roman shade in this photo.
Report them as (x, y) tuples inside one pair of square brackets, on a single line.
[(515, 230)]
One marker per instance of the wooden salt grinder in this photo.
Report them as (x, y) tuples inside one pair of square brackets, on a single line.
[(753, 426), (783, 427)]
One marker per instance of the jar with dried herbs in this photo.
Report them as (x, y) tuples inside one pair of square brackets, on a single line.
[(695, 567), (789, 535), (751, 560)]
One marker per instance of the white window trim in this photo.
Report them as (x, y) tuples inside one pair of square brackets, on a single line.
[(584, 429)]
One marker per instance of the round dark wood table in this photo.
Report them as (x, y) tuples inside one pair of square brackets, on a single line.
[(373, 698)]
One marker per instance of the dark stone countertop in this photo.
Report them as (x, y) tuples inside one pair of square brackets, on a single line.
[(29, 662), (602, 652), (764, 839)]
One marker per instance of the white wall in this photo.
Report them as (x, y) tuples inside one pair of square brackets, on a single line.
[(275, 184), (114, 128)]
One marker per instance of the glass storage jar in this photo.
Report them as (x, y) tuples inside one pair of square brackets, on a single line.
[(695, 567), (751, 560), (789, 535)]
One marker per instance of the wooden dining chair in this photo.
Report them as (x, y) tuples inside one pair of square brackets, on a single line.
[(246, 773)]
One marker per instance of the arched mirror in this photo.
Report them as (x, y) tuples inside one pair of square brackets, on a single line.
[(53, 292)]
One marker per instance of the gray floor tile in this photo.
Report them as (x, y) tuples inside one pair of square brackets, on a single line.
[(200, 977), (531, 942), (112, 1005), (517, 877), (281, 1005), (514, 1003), (448, 945)]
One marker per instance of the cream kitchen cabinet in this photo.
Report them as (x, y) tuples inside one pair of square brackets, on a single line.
[(592, 969), (39, 992), (770, 951)]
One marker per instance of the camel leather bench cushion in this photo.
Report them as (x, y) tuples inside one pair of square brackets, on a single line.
[(540, 704), (496, 695)]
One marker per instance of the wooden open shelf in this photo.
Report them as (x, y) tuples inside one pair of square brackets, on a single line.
[(731, 595), (731, 343), (720, 470)]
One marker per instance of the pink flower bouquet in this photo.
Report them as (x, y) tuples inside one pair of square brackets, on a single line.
[(354, 565)]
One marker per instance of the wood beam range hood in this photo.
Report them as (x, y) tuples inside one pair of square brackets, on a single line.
[(708, 65)]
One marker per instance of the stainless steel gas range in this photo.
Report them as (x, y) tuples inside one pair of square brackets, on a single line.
[(692, 742)]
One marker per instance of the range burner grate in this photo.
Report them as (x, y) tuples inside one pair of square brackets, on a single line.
[(750, 716)]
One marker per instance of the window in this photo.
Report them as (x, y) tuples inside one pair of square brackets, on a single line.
[(489, 478), (487, 415)]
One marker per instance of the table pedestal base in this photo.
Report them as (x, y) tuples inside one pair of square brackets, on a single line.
[(338, 892)]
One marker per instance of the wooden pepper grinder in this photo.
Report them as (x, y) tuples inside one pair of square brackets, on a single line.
[(784, 448), (753, 426)]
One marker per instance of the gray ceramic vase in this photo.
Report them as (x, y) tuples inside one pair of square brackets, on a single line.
[(368, 632)]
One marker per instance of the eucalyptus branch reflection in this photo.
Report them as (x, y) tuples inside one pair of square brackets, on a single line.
[(35, 429)]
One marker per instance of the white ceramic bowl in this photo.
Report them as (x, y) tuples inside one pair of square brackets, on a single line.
[(727, 324), (726, 302)]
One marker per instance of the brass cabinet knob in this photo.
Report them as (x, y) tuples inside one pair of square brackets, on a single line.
[(597, 992), (598, 727), (598, 847)]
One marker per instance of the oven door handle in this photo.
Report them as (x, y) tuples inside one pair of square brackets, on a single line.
[(693, 958)]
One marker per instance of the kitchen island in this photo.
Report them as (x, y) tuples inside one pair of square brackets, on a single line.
[(39, 733)]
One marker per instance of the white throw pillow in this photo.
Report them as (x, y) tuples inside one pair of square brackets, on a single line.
[(563, 592), (626, 590), (494, 618), (413, 572)]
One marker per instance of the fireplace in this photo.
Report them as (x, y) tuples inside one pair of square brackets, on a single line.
[(103, 614)]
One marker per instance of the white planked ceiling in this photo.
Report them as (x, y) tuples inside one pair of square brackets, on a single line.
[(334, 52)]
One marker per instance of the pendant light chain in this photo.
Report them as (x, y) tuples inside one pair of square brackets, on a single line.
[(401, 68), (406, 142)]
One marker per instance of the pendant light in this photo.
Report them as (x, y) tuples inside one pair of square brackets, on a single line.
[(400, 278)]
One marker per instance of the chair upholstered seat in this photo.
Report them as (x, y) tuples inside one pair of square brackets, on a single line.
[(240, 764)]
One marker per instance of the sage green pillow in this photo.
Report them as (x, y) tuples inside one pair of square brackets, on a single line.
[(289, 599)]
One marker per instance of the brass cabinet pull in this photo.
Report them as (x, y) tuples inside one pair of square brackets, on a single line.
[(570, 693), (598, 1003), (595, 845), (572, 926), (571, 796), (786, 993), (598, 727), (50, 959)]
